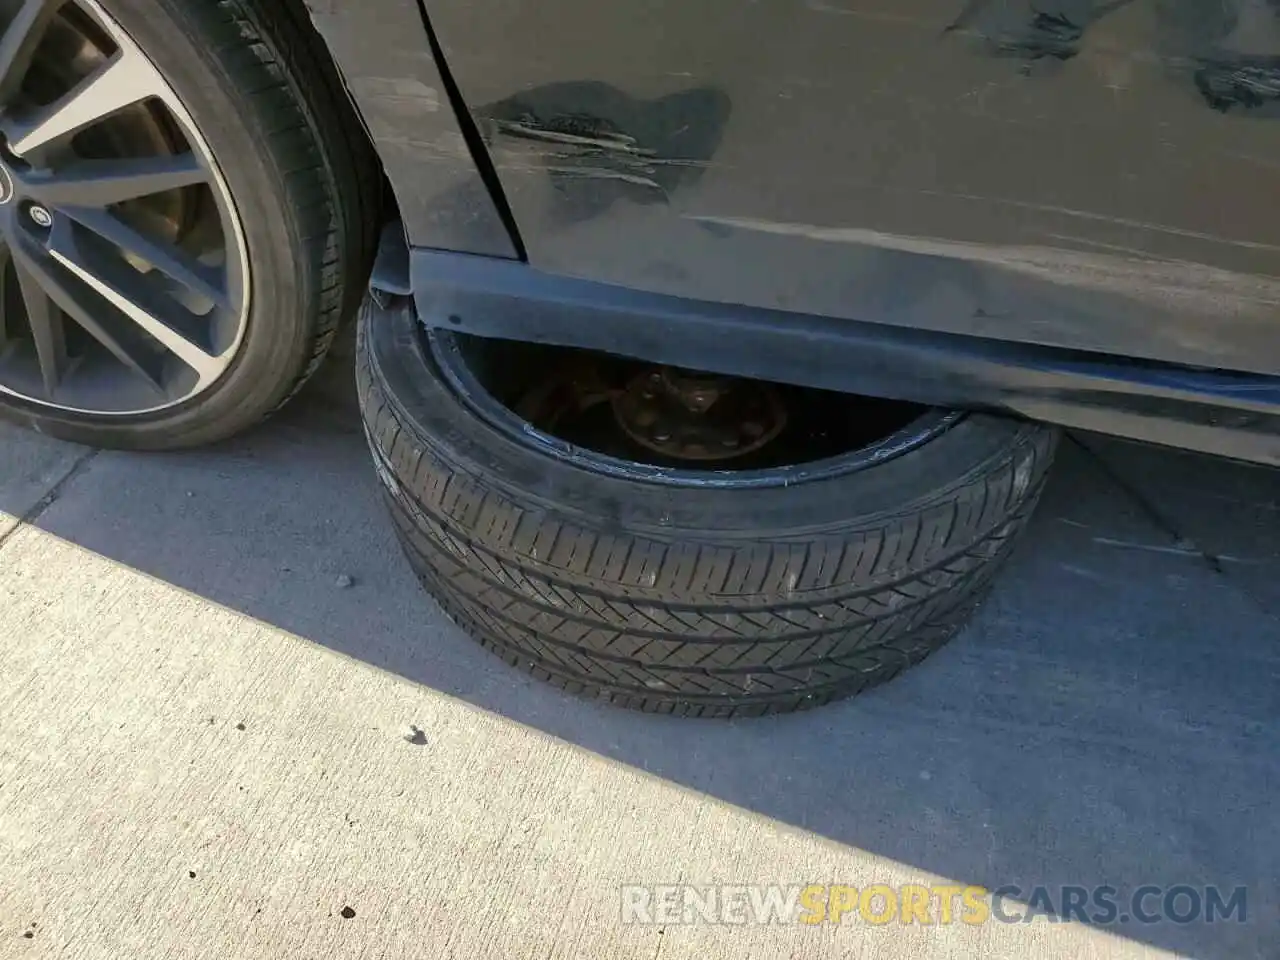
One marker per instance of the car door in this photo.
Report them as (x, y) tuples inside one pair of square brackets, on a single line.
[(1091, 174)]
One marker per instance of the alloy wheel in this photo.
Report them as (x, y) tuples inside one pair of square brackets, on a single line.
[(123, 270)]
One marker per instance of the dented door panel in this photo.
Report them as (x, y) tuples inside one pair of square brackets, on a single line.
[(392, 75), (1094, 174)]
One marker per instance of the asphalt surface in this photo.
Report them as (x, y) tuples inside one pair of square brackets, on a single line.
[(230, 713)]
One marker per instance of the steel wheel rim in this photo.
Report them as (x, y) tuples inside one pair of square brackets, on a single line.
[(101, 313), (442, 349)]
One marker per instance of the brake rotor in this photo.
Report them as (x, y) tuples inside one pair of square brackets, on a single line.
[(684, 415)]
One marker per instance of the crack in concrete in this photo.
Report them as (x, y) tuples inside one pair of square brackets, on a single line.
[(1149, 510), (51, 496), (1183, 544)]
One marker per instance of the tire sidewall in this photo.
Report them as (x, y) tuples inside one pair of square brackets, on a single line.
[(195, 51)]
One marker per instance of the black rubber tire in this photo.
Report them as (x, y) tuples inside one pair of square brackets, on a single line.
[(694, 602), (261, 89)]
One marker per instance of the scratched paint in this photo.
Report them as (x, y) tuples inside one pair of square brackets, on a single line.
[(1131, 276), (391, 74), (1095, 174), (1230, 48), (597, 146)]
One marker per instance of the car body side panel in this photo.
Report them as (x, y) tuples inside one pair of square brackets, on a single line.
[(1098, 175), (383, 51), (1229, 414)]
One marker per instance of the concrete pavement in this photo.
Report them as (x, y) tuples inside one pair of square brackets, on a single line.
[(231, 713)]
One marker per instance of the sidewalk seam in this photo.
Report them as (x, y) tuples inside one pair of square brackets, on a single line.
[(34, 512), (1165, 523), (1153, 513)]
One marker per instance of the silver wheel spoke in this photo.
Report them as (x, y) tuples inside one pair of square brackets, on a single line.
[(19, 42), (122, 248), (203, 280), (45, 291), (101, 183), (47, 329), (6, 321), (126, 290), (123, 80)]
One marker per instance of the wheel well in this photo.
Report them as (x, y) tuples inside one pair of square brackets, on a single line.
[(342, 94)]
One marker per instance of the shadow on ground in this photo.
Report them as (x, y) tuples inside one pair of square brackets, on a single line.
[(1109, 717)]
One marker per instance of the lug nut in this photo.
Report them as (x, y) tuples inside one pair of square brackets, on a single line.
[(40, 216)]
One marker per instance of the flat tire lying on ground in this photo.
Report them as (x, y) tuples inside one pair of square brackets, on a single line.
[(688, 600)]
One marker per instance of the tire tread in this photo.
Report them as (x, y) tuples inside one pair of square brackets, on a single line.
[(685, 624)]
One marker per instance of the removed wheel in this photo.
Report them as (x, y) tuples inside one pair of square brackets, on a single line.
[(682, 543), (185, 215)]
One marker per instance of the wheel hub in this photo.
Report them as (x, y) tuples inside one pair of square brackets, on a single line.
[(697, 416)]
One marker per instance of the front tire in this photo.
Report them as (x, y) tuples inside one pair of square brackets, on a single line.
[(246, 91), (688, 600)]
